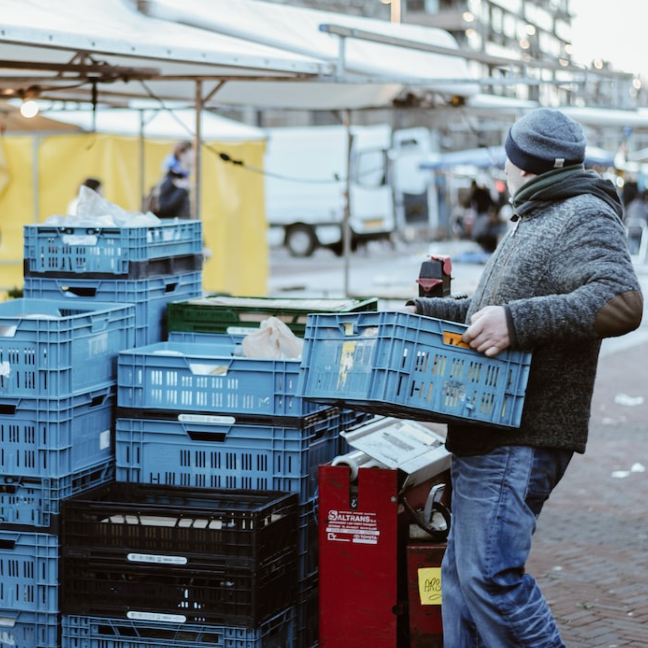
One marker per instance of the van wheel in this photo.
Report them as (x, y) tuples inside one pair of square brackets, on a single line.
[(338, 247), (301, 240)]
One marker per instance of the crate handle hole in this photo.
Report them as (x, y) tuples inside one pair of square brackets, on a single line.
[(79, 291), (98, 400), (211, 437)]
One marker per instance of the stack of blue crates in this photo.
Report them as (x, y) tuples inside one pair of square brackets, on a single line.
[(193, 411), (57, 396), (148, 266)]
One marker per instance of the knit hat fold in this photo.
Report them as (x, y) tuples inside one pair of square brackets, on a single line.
[(545, 139)]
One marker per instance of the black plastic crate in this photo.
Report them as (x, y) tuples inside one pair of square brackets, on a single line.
[(208, 556), (307, 607), (199, 527), (126, 589)]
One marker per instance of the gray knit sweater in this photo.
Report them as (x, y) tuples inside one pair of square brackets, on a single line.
[(564, 274)]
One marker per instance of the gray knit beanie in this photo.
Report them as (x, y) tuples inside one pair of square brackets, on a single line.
[(545, 139)]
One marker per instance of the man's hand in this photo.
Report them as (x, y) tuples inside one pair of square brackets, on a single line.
[(488, 331)]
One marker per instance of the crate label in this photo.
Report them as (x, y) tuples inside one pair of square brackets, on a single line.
[(157, 559), (454, 339), (104, 439), (241, 330), (79, 239), (455, 393), (429, 584), (98, 345), (156, 616), (352, 526), (206, 418)]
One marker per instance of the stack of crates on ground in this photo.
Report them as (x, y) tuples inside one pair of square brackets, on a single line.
[(193, 412), (147, 565), (58, 362), (148, 266)]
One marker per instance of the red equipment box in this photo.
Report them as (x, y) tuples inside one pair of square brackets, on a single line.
[(424, 594), (364, 532)]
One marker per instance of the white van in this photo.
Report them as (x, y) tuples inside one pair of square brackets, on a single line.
[(306, 185)]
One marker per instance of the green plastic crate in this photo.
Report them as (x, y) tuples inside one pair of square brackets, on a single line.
[(240, 315)]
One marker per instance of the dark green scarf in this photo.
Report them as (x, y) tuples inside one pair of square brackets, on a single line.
[(560, 184)]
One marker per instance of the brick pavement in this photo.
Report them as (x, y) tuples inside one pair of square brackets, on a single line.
[(590, 552)]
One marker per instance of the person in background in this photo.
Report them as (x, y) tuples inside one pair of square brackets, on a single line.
[(637, 208), (486, 224), (91, 183), (174, 198), (559, 282), (636, 221)]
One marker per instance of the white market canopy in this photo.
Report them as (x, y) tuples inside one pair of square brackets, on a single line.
[(176, 124), (368, 73), (243, 52), (58, 44)]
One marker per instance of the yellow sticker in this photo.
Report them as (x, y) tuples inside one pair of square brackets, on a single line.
[(454, 339), (346, 362), (429, 581)]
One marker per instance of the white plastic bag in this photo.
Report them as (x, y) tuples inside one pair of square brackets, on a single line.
[(273, 340), (93, 210)]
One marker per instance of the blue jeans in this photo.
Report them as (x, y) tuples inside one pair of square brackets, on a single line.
[(488, 599)]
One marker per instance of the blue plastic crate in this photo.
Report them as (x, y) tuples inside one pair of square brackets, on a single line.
[(204, 378), (29, 565), (158, 631), (21, 629), (410, 366), (231, 343), (68, 250), (209, 451), (34, 502), (54, 438), (56, 349), (149, 296)]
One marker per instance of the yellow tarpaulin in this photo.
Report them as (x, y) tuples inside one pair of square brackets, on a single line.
[(4, 170), (50, 169)]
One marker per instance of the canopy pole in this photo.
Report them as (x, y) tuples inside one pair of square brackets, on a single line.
[(142, 155), (197, 176), (346, 225)]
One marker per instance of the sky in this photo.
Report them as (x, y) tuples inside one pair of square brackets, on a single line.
[(612, 30)]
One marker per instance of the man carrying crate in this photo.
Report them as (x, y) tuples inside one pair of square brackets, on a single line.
[(559, 282)]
